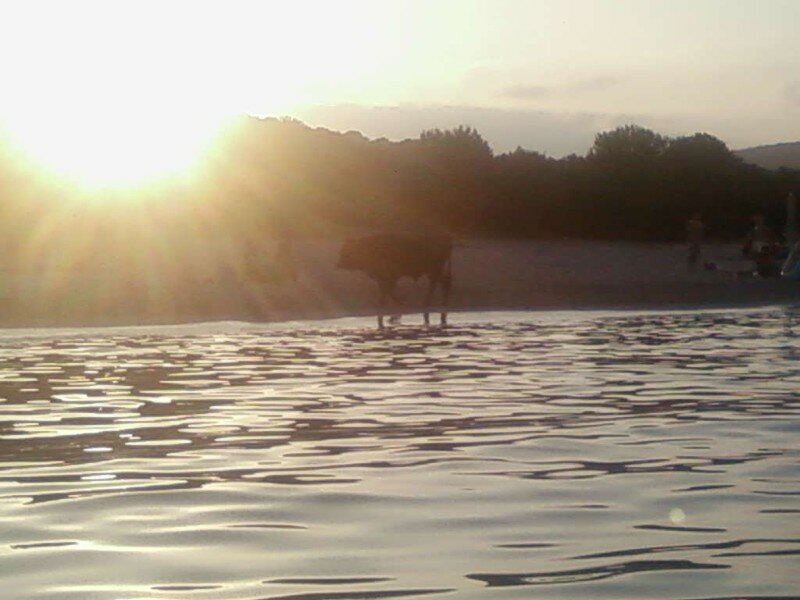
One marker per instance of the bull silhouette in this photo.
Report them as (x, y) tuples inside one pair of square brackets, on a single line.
[(385, 258)]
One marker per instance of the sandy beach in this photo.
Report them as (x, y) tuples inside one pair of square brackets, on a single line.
[(488, 274)]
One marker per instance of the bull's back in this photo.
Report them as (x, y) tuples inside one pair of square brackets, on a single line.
[(397, 255)]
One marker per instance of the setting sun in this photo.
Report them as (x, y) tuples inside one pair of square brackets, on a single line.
[(111, 148), (122, 94)]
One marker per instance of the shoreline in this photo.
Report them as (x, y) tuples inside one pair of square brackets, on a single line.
[(409, 322), (489, 275), (778, 298)]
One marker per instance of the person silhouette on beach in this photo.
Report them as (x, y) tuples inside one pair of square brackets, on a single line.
[(758, 239), (695, 232), (762, 246)]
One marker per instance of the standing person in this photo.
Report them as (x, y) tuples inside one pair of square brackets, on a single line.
[(759, 239), (762, 246), (695, 232)]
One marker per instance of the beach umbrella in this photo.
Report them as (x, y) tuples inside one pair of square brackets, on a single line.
[(791, 231)]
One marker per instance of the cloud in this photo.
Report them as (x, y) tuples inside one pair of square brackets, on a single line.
[(581, 86), (593, 84), (524, 92)]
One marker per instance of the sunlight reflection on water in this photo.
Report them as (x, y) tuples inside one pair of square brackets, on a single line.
[(568, 455)]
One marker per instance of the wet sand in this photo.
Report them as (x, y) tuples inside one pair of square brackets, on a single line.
[(489, 275)]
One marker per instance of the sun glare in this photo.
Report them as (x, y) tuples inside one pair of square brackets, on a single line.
[(124, 92), (108, 148)]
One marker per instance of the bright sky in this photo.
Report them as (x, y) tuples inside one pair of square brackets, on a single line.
[(543, 74)]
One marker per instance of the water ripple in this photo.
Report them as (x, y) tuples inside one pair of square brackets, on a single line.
[(590, 574), (338, 461)]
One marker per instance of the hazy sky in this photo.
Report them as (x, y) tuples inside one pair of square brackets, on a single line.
[(542, 74)]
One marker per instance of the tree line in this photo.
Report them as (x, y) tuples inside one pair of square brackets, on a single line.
[(268, 178), (633, 184)]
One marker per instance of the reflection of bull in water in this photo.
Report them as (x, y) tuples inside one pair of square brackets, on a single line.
[(388, 257)]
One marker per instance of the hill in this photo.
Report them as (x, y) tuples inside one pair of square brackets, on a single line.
[(773, 156)]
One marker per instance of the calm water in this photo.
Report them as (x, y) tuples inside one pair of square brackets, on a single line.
[(525, 455)]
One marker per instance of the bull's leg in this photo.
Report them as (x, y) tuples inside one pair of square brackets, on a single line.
[(381, 304), (390, 287), (432, 283), (397, 313), (447, 281), (397, 309), (386, 291)]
